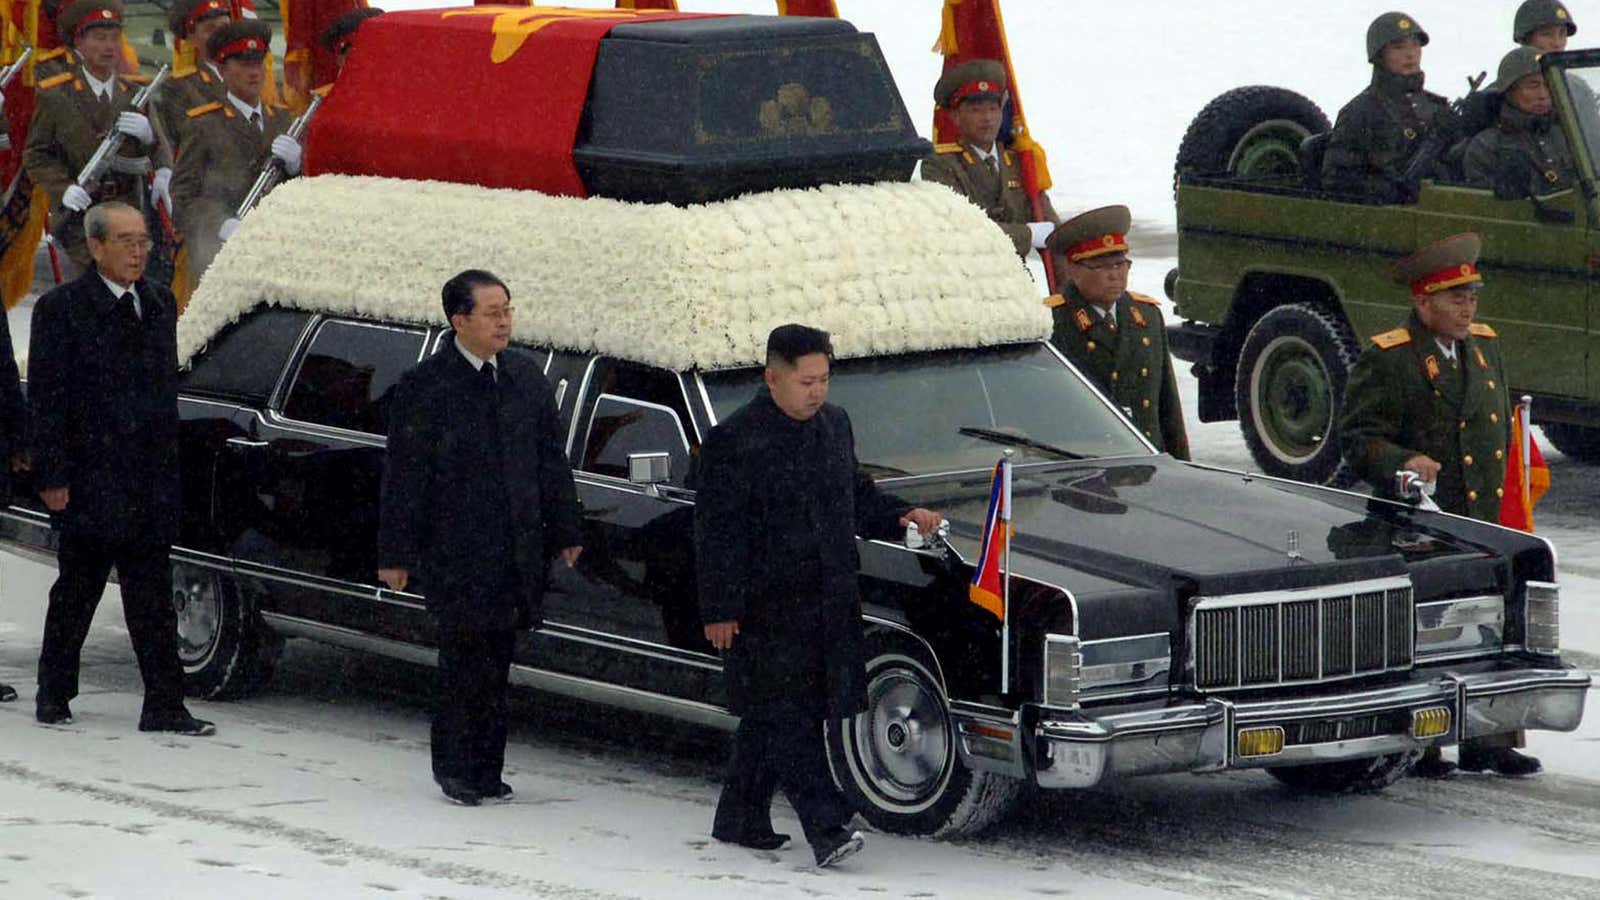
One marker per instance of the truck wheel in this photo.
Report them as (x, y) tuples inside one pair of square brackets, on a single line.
[(1250, 132), (1348, 776), (1577, 441), (225, 649), (898, 764), (1289, 387)]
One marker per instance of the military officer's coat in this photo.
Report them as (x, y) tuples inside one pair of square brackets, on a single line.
[(999, 192), (223, 153), (1404, 398), (69, 123), (179, 94), (1127, 360)]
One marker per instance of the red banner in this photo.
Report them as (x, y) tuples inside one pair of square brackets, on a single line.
[(506, 115), (306, 65), (822, 9), (974, 29), (664, 5)]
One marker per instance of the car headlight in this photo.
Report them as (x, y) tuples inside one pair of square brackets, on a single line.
[(1465, 627), (1541, 623), (1124, 664), (1063, 666)]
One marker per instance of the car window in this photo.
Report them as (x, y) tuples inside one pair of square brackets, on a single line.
[(348, 371), (957, 410), (622, 425), (246, 360)]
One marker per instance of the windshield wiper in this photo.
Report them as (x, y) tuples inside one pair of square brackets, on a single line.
[(1017, 440)]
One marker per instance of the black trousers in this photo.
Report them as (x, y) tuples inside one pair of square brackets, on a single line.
[(469, 720), (773, 754), (144, 572)]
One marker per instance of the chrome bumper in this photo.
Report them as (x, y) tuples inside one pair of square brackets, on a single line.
[(1078, 748)]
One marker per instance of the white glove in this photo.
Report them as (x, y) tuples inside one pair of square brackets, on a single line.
[(76, 199), (287, 150), (5, 142), (1041, 233), (229, 226), (246, 12), (161, 188), (136, 126)]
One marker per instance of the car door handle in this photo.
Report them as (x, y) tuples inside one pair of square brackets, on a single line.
[(244, 443)]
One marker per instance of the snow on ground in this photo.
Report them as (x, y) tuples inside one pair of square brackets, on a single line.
[(320, 787)]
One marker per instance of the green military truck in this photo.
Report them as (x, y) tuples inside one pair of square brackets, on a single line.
[(1279, 282)]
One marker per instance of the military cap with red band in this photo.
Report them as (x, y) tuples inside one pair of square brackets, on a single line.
[(244, 37), (1442, 265), (82, 15), (985, 78), (186, 14), (1098, 232)]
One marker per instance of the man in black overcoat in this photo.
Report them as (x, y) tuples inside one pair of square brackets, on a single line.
[(477, 500), (779, 502), (103, 389), (13, 440)]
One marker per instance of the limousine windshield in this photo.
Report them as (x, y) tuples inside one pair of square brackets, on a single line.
[(956, 410)]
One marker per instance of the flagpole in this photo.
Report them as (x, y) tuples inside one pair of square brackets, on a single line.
[(1527, 464), (1005, 573)]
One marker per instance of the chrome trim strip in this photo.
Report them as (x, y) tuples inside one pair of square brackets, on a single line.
[(612, 483), (1315, 592), (688, 406), (281, 386), (528, 676), (938, 668), (705, 397), (577, 405), (683, 437), (635, 646)]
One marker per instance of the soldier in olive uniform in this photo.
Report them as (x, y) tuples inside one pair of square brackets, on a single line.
[(1525, 153), (75, 111), (194, 21), (978, 167), (1430, 397), (1113, 335), (228, 143), (1543, 25), (1381, 131)]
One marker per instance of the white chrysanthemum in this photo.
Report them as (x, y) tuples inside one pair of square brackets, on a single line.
[(888, 268)]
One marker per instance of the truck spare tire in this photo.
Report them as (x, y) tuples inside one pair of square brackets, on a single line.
[(1250, 132)]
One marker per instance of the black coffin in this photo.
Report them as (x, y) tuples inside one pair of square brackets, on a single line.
[(697, 110)]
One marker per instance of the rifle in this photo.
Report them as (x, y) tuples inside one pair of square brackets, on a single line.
[(1425, 159), (10, 73), (96, 167), (272, 170)]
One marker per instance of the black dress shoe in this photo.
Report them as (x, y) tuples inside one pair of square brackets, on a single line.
[(53, 714), (460, 790), (758, 840), (7, 693), (1432, 765), (177, 723), (1500, 760), (838, 845), (497, 792)]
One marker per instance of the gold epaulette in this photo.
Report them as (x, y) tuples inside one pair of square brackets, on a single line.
[(1143, 298), (204, 108), (323, 91), (137, 79), (947, 148), (1055, 300), (1389, 340), (50, 54), (1479, 329), (54, 80), (186, 73)]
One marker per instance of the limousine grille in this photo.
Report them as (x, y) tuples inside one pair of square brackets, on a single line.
[(1295, 637)]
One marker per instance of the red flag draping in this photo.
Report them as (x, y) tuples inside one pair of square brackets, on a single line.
[(22, 216), (306, 64), (1524, 485), (822, 9), (666, 5), (974, 29), (988, 586), (520, 74)]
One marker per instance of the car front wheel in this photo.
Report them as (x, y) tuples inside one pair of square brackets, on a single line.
[(898, 762), (225, 649)]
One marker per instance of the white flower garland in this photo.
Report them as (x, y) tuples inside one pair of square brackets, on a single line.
[(887, 268)]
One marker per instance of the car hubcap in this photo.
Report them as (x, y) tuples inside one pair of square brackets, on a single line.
[(903, 740), (194, 598), (1293, 397)]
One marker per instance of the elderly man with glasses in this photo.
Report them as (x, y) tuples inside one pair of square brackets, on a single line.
[(103, 390), (1113, 335), (1430, 397)]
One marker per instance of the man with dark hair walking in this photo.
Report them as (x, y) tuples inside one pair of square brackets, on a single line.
[(779, 502), (103, 387), (477, 499)]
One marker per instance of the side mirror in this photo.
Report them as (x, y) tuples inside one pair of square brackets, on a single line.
[(1410, 487), (649, 468)]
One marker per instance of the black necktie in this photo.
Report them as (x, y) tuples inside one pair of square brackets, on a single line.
[(255, 119), (487, 374), (130, 304)]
